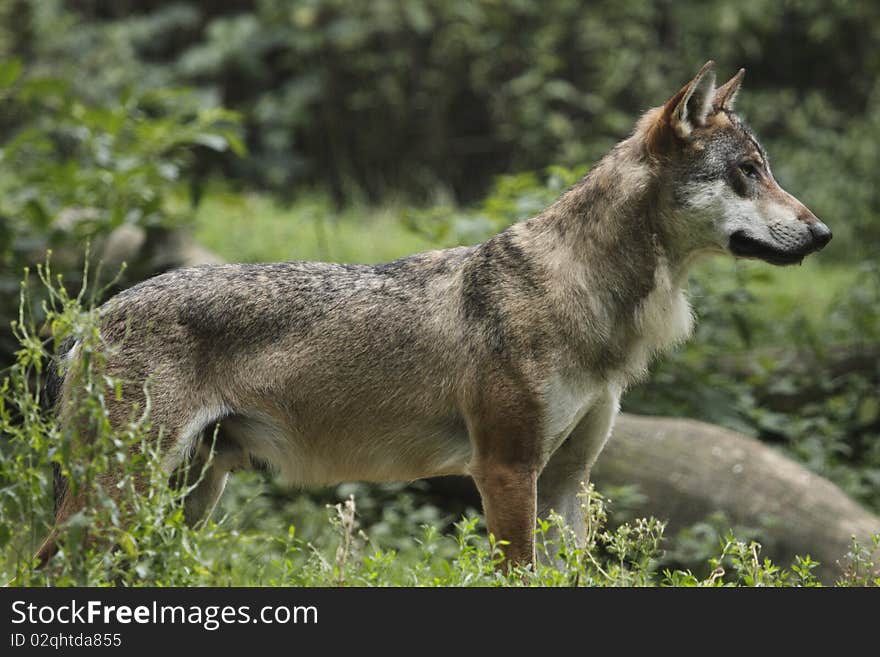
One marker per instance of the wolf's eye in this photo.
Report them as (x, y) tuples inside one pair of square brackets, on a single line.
[(749, 170)]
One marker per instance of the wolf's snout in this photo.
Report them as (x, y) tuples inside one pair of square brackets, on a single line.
[(821, 233)]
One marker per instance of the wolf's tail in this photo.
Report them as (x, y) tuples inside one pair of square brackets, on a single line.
[(52, 393), (54, 381)]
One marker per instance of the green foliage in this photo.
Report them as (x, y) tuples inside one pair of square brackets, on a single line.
[(429, 95), (72, 171), (511, 198), (862, 564)]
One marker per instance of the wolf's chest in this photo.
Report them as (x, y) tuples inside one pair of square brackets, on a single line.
[(662, 320)]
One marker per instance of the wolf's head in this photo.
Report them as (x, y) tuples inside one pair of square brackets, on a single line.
[(721, 193)]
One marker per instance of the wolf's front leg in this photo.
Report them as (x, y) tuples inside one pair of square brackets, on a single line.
[(505, 467), (508, 493), (569, 467)]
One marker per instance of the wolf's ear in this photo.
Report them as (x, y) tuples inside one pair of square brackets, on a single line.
[(689, 108), (725, 95)]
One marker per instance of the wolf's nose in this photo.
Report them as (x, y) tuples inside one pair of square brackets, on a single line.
[(821, 233)]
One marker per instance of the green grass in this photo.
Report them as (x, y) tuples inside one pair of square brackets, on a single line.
[(807, 291), (256, 228)]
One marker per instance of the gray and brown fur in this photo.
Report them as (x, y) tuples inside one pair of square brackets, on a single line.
[(505, 361)]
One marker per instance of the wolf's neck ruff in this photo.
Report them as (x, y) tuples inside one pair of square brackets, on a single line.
[(614, 286)]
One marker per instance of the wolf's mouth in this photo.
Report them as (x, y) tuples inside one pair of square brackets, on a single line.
[(744, 246)]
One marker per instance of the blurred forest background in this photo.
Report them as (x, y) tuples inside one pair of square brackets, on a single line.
[(362, 131)]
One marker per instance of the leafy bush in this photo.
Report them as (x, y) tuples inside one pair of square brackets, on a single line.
[(72, 171)]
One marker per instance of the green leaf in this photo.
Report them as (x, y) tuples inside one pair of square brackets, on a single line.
[(10, 71), (236, 144), (213, 141)]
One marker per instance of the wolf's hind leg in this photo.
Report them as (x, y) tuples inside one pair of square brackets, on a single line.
[(207, 474), (174, 441)]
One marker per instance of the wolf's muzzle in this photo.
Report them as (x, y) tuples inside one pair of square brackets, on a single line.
[(785, 247)]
